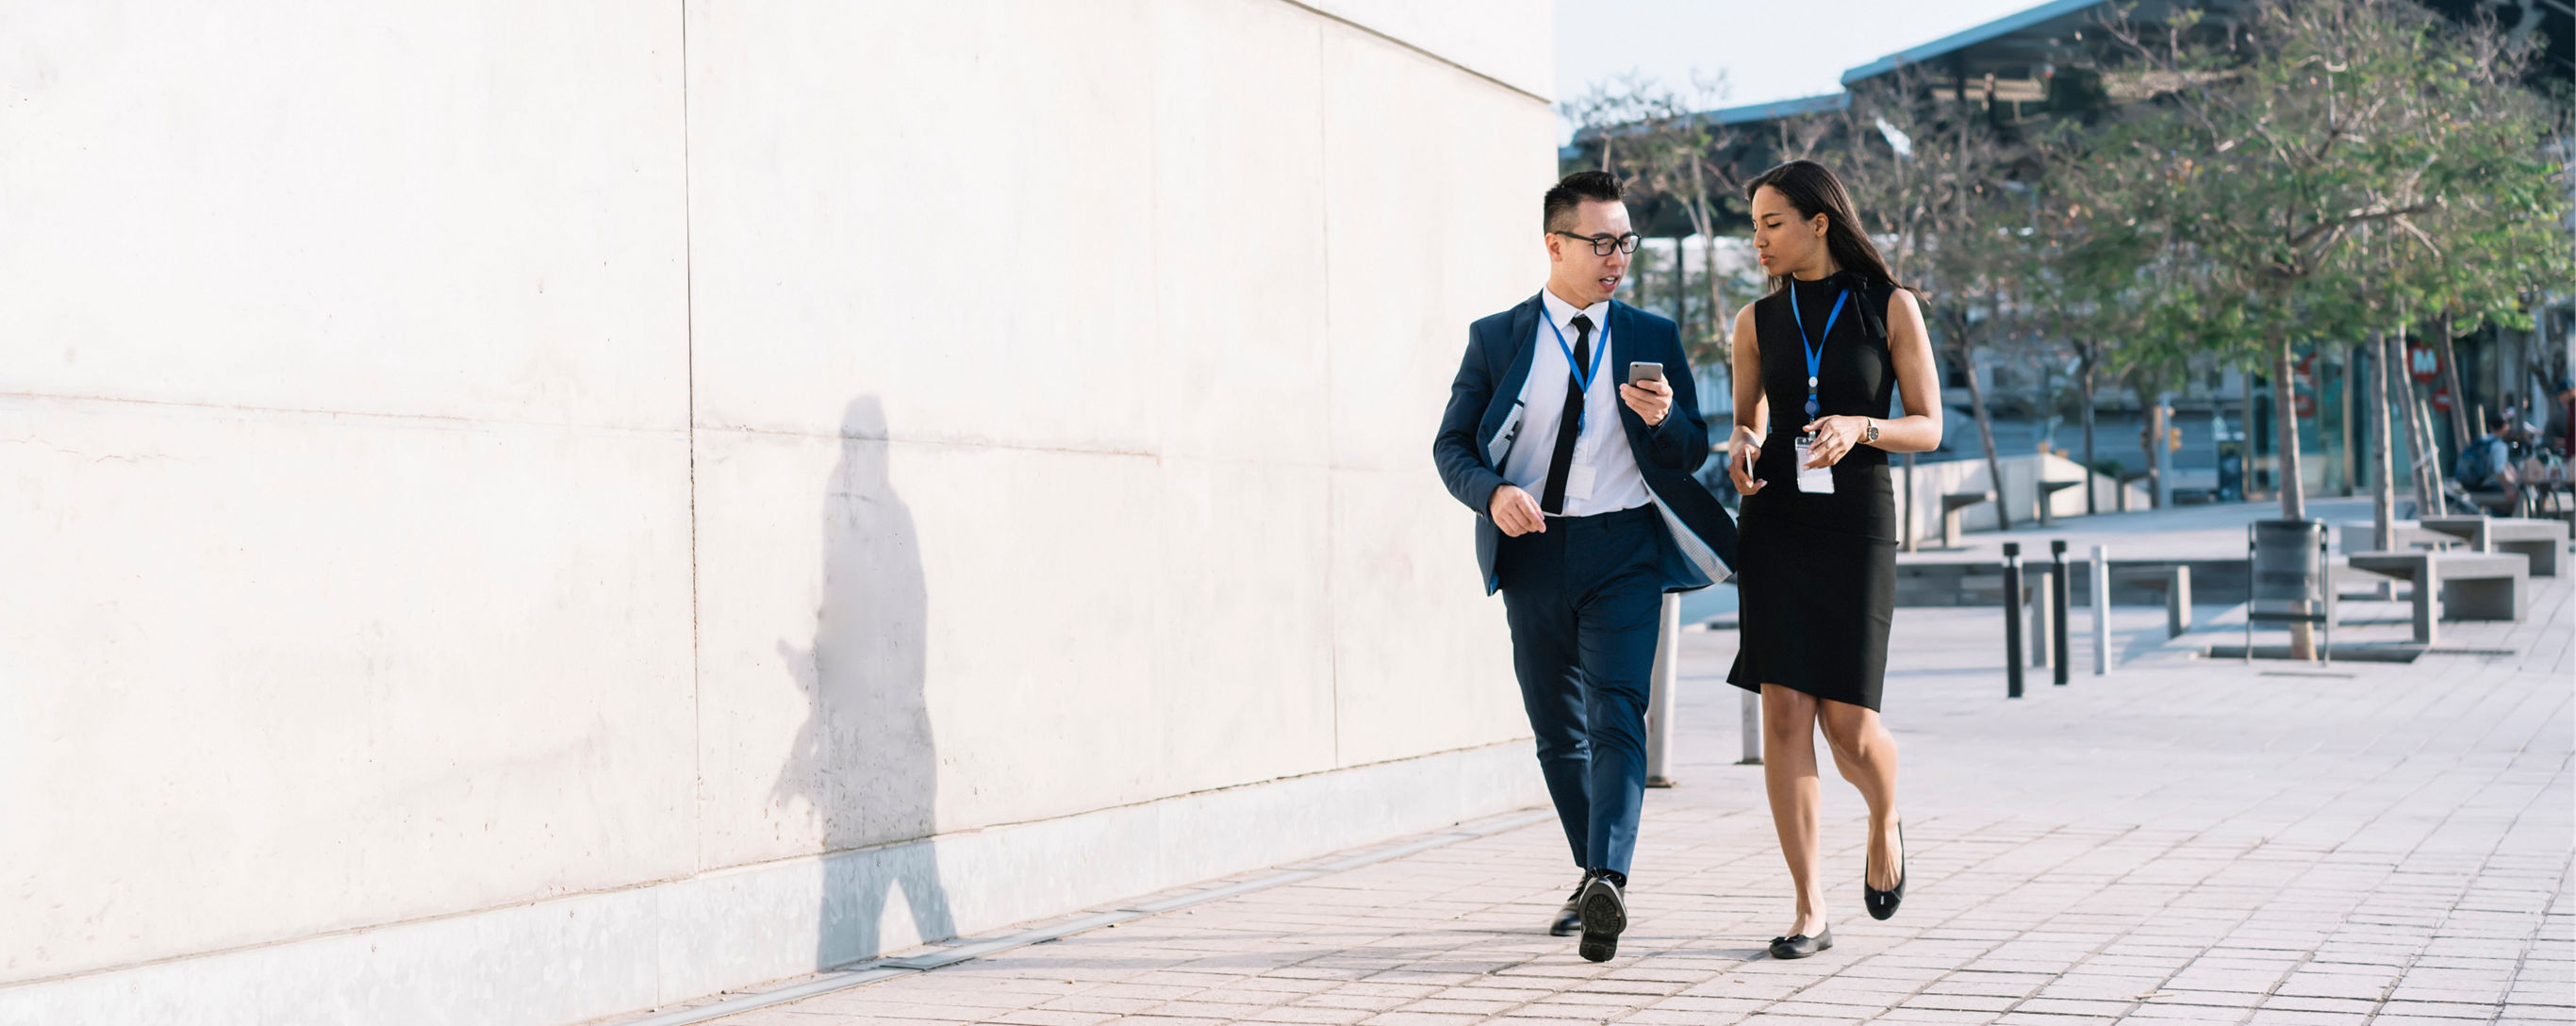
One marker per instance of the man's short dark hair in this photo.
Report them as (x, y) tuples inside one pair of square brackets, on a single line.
[(1571, 191), (2499, 420)]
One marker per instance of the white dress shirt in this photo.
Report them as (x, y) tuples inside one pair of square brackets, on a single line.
[(1603, 445)]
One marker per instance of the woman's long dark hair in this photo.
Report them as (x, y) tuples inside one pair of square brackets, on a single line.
[(1812, 189)]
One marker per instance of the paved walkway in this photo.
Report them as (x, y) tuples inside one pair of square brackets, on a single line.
[(2186, 840)]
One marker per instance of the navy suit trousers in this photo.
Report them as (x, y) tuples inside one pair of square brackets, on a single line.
[(1585, 599)]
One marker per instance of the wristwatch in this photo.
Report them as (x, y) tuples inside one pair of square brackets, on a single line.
[(1869, 431)]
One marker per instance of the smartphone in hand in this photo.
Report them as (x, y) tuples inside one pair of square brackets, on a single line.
[(1645, 370)]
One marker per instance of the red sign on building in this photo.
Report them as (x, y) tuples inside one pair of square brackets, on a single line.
[(2422, 362)]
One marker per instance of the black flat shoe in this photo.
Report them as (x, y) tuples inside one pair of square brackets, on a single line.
[(1605, 917), (1569, 916), (1802, 945), (1882, 904)]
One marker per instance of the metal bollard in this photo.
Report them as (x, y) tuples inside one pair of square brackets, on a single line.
[(2178, 602), (1659, 702), (2057, 582), (2012, 620), (2035, 584), (2101, 611)]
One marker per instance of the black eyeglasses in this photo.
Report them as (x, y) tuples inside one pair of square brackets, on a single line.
[(1603, 244)]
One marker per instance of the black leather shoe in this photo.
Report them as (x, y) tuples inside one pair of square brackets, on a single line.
[(1569, 916), (1802, 945), (1882, 904), (1605, 917)]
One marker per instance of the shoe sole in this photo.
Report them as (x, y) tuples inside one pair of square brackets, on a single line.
[(1827, 945), (1604, 919)]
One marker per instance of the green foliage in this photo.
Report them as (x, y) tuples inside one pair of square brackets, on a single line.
[(2275, 154), (2301, 172)]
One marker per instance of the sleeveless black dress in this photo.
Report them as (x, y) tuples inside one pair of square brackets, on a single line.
[(1816, 574)]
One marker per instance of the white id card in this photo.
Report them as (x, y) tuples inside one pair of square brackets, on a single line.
[(1578, 481), (1816, 480)]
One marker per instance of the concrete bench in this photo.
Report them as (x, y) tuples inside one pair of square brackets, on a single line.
[(2510, 502), (2454, 585), (2048, 490), (2538, 540), (2363, 536), (1951, 504), (2127, 478), (2175, 584)]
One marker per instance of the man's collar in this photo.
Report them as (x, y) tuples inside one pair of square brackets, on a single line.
[(1563, 312)]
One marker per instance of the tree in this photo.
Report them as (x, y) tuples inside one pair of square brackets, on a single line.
[(1667, 154), (1928, 180), (2082, 270), (2275, 138)]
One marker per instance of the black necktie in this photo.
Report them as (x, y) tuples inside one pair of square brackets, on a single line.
[(1552, 497)]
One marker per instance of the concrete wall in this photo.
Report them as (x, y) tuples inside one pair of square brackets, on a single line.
[(525, 512)]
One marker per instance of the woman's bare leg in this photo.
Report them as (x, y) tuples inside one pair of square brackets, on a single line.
[(1789, 776), (1866, 754)]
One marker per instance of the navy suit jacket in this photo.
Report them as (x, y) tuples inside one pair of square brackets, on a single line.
[(1484, 418)]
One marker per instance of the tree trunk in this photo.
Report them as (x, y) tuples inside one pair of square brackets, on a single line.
[(1681, 291), (1985, 433), (2303, 642), (2429, 469), (1720, 324), (2148, 438), (2425, 469), (2460, 435), (2383, 484), (2285, 423), (2091, 504), (2245, 438)]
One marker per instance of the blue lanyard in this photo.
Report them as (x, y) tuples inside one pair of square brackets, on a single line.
[(1582, 377), (1815, 352)]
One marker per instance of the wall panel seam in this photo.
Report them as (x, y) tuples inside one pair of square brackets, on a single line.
[(1416, 48)]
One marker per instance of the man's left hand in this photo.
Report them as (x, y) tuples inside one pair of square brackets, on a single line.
[(1651, 398)]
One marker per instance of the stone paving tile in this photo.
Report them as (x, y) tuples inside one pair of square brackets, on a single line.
[(2185, 841)]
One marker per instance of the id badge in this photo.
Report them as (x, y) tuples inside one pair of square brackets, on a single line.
[(1817, 480), (1578, 481)]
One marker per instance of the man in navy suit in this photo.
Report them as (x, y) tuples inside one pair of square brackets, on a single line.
[(1587, 515)]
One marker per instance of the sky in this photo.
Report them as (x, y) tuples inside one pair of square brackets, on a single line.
[(1771, 50)]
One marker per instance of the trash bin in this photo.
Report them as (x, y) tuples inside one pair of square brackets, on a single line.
[(2288, 563)]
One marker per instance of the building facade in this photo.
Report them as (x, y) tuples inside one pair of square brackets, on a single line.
[(524, 513)]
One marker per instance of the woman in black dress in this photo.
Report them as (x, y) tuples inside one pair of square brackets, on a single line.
[(1815, 362)]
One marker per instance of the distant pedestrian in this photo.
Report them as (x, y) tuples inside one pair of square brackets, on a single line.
[(2485, 467), (1815, 364), (1572, 430), (2558, 430)]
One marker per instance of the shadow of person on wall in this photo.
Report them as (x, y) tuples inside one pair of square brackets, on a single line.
[(864, 760)]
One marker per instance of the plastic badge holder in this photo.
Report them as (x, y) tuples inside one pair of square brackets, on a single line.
[(1813, 480)]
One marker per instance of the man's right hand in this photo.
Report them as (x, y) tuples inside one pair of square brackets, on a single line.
[(1515, 512)]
